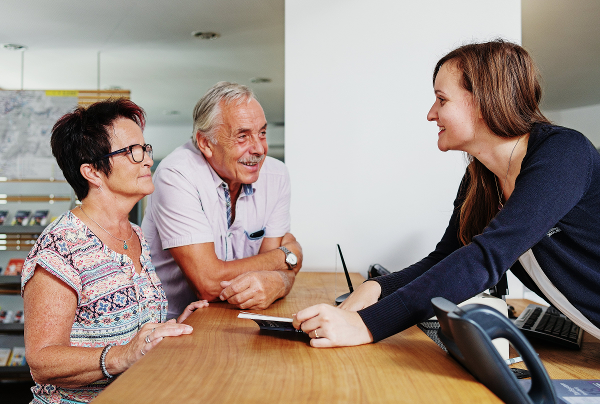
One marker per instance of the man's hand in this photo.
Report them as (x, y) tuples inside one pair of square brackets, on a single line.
[(205, 272), (364, 296), (329, 326), (255, 290)]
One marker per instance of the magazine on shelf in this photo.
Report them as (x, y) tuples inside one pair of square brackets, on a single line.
[(14, 266), (18, 317), (4, 356), (39, 218), (270, 323), (3, 215), (21, 218), (18, 357), (5, 316)]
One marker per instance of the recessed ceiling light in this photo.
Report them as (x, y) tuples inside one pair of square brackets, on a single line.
[(14, 46), (173, 112), (205, 35), (260, 80)]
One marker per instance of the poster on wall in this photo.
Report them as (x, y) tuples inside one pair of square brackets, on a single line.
[(26, 120)]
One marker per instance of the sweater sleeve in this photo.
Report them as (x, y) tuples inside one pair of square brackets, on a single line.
[(554, 175), (448, 244)]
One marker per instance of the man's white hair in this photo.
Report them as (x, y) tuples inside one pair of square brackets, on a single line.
[(207, 112)]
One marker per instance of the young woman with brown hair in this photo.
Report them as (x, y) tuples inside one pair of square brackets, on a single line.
[(529, 201)]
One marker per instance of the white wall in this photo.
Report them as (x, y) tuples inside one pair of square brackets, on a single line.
[(584, 119), (365, 168), (166, 138)]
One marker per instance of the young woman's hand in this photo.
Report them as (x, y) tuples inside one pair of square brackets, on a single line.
[(365, 295), (329, 326)]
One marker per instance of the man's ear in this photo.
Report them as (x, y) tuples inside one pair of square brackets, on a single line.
[(91, 175), (205, 146)]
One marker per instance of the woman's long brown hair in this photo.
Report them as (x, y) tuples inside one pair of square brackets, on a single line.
[(504, 82)]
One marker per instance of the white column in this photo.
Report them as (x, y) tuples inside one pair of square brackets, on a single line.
[(365, 168)]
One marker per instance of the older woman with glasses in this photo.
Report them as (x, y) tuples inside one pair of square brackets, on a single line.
[(93, 302)]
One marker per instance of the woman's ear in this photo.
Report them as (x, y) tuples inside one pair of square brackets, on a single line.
[(91, 175)]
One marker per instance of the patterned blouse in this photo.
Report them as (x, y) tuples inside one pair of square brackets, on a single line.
[(113, 301)]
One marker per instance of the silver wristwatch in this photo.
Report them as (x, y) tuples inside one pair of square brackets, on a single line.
[(290, 258)]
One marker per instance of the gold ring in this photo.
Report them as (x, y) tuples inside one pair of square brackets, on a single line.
[(316, 335)]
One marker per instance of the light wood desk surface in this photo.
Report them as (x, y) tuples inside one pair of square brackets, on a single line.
[(228, 360)]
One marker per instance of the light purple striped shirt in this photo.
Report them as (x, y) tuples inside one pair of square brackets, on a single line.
[(189, 206)]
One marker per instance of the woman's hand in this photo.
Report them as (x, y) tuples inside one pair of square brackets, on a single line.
[(190, 309), (330, 327), (152, 333), (364, 296), (120, 358)]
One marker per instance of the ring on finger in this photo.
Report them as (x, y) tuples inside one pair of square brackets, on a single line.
[(147, 339), (152, 330), (316, 335), (142, 351)]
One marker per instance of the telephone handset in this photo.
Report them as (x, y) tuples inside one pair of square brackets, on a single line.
[(468, 332)]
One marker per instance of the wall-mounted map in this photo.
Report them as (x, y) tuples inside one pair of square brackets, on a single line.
[(26, 120)]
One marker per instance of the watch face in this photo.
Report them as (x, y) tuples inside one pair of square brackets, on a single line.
[(291, 259)]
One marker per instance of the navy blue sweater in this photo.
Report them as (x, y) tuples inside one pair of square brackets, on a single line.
[(554, 210)]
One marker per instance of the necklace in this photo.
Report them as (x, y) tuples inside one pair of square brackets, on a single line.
[(125, 247), (501, 196)]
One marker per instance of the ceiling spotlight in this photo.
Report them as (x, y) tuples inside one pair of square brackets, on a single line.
[(260, 80), (205, 35), (14, 46)]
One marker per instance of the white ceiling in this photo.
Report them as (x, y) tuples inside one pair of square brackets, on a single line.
[(564, 38), (146, 46)]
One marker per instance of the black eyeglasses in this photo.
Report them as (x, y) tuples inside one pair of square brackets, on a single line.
[(137, 152)]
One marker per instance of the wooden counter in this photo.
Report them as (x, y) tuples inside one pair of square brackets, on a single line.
[(228, 360)]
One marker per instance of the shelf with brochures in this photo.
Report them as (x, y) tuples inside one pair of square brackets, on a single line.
[(15, 373), (12, 328), (7, 229), (10, 281), (27, 206), (10, 284)]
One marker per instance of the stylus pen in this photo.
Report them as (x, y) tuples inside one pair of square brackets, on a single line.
[(513, 360)]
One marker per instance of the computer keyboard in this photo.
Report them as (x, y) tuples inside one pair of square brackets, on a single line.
[(430, 328), (549, 324)]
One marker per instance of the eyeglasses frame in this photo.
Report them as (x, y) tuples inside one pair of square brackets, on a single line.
[(129, 149)]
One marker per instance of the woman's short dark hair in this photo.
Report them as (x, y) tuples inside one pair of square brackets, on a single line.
[(83, 137)]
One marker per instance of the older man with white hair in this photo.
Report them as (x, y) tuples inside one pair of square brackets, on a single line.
[(218, 222)]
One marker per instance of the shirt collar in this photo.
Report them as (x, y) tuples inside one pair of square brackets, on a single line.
[(247, 189)]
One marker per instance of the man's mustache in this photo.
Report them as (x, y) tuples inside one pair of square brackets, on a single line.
[(252, 159)]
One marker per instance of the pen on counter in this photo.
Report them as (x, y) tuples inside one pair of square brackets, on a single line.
[(513, 360)]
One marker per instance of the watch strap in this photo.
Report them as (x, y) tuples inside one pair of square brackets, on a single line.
[(287, 253)]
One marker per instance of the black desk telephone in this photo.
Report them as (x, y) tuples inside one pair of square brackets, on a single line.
[(468, 332)]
